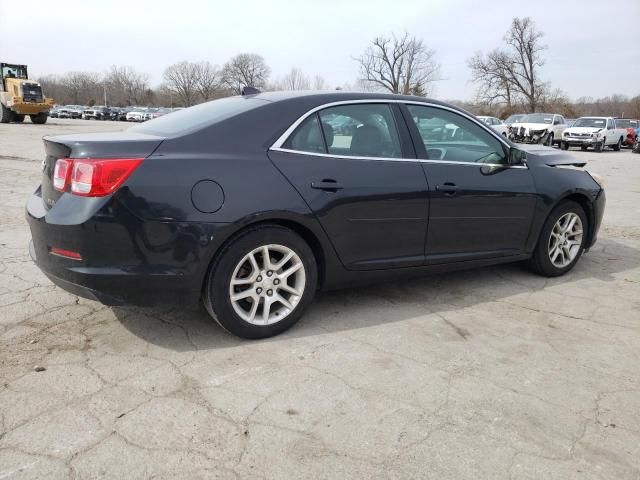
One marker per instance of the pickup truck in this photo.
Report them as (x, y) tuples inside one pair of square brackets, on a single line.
[(596, 132), (545, 128)]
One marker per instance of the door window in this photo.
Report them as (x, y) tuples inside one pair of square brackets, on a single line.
[(361, 130), (452, 137)]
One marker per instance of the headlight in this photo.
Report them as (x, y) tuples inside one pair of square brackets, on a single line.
[(599, 179)]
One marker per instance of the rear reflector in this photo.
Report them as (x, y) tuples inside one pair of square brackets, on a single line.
[(93, 177), (61, 174), (65, 253)]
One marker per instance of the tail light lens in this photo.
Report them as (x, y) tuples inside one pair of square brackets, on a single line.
[(61, 174), (94, 177)]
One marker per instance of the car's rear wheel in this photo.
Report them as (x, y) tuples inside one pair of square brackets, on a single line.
[(261, 283), (561, 241)]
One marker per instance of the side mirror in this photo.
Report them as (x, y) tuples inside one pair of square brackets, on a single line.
[(516, 156)]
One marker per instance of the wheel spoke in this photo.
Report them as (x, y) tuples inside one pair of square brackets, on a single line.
[(283, 301), (254, 265), (293, 269), (266, 259), (266, 310), (572, 222), (254, 309), (283, 262), (288, 288), (242, 295)]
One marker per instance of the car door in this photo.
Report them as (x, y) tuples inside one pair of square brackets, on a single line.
[(355, 166), (558, 127), (479, 206)]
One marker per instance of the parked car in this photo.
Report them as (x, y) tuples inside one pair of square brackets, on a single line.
[(496, 124), (511, 119), (159, 112), (631, 125), (97, 112), (64, 112), (169, 198), (596, 132), (544, 128), (53, 113), (122, 115), (75, 111), (136, 115), (114, 112)]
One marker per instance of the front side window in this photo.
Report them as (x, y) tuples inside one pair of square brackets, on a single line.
[(452, 137), (361, 130)]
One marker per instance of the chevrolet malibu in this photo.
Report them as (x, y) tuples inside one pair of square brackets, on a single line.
[(252, 203)]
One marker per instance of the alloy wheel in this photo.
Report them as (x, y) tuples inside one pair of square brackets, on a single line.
[(565, 240), (267, 284)]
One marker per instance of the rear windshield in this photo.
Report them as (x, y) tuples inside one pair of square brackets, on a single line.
[(205, 114), (626, 123), (590, 122)]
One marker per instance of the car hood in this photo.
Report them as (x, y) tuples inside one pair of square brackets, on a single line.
[(532, 126), (549, 156), (583, 129)]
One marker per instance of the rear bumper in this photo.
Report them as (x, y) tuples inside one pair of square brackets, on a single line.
[(125, 260)]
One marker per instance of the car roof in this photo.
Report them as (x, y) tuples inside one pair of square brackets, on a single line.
[(339, 96)]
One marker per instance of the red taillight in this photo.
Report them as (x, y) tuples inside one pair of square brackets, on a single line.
[(94, 177), (60, 252), (61, 174)]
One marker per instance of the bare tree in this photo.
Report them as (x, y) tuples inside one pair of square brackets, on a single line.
[(319, 83), (82, 87), (296, 80), (125, 85), (208, 80), (245, 70), (182, 79), (399, 64), (512, 74)]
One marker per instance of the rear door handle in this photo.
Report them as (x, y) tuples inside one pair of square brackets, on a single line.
[(447, 188), (327, 184)]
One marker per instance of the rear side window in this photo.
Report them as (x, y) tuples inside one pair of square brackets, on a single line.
[(307, 137), (361, 130), (205, 114)]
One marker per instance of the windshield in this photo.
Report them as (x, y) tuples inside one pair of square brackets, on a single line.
[(626, 123), (538, 118), (201, 115), (514, 118), (590, 122)]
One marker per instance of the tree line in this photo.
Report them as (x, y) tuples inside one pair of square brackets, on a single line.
[(509, 79)]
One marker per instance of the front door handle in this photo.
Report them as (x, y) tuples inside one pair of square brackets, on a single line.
[(449, 189), (327, 184)]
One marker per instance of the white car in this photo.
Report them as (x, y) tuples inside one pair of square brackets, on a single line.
[(496, 124), (596, 132), (136, 115), (545, 128)]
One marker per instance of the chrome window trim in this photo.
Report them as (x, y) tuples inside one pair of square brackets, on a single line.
[(394, 159), (282, 138)]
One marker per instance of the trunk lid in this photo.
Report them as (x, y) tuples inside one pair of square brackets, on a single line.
[(91, 145)]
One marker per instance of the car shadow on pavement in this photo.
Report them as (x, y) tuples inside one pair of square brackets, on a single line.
[(182, 329)]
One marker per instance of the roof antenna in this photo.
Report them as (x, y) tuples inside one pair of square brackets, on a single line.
[(249, 91)]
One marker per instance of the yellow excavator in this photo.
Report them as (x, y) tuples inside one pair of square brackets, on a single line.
[(20, 96)]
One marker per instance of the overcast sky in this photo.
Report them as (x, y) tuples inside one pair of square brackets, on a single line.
[(593, 45)]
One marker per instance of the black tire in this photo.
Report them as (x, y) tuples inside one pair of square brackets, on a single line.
[(18, 118), (600, 146), (549, 140), (6, 115), (617, 146), (216, 292), (540, 261), (636, 148), (584, 148), (564, 145), (40, 118)]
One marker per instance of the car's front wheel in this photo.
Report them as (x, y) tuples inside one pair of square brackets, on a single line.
[(561, 241), (261, 283)]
